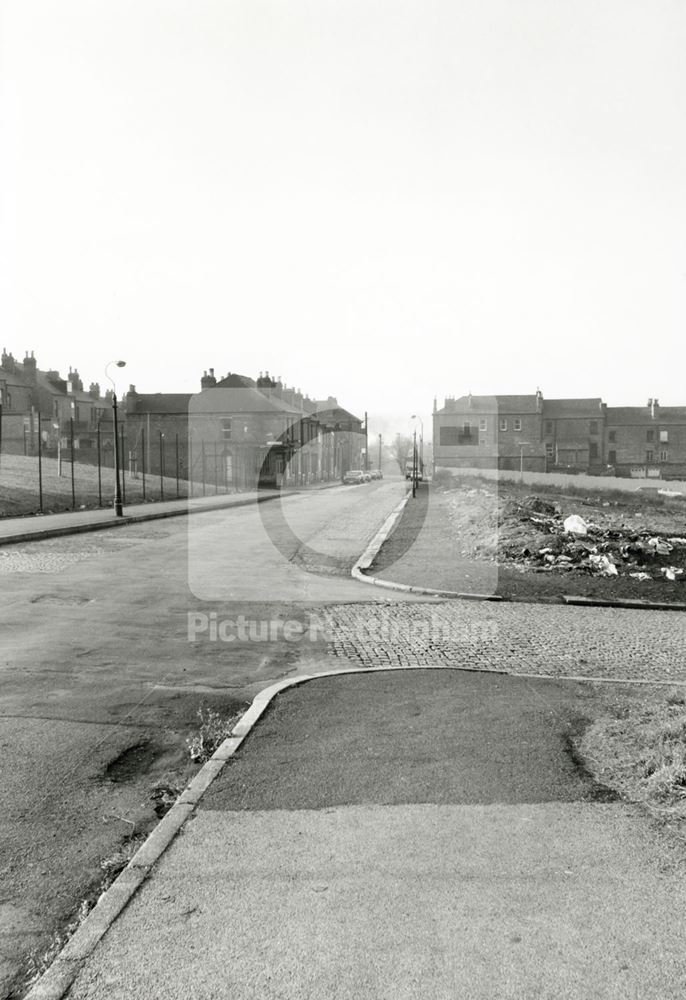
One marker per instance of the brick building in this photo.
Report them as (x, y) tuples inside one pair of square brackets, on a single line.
[(647, 441), (489, 432), (563, 435), (34, 399), (242, 433)]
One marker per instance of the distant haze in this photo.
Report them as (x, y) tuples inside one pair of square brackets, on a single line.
[(384, 202)]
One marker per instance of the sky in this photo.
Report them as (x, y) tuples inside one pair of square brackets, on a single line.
[(382, 201)]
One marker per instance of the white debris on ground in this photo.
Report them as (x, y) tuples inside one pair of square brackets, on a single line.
[(532, 534)]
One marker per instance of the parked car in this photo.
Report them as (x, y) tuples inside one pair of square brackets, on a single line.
[(354, 476), (377, 474), (410, 469)]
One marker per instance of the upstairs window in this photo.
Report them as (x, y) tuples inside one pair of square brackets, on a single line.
[(593, 429), (664, 437), (502, 424), (517, 424), (650, 435), (549, 427), (482, 424), (612, 437), (226, 428)]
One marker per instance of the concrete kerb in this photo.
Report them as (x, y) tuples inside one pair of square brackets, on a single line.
[(58, 978), (374, 547), (152, 515)]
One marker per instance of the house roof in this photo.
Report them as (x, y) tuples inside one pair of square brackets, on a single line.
[(641, 415), (16, 377), (327, 414), (671, 414), (158, 402), (239, 400), (492, 404), (577, 407), (630, 415)]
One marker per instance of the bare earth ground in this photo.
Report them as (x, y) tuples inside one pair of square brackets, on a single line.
[(506, 540)]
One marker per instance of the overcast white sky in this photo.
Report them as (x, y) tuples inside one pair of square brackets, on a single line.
[(385, 201)]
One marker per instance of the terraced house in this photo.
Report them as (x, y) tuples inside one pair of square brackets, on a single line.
[(242, 433), (531, 433), (36, 402)]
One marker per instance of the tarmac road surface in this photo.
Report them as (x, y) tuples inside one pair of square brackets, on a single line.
[(100, 685), (407, 834)]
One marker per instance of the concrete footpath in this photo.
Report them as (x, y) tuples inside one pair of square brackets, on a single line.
[(35, 527), (396, 834)]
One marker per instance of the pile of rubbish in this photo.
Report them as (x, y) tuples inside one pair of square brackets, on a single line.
[(573, 543)]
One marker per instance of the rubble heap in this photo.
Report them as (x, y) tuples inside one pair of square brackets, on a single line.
[(561, 544)]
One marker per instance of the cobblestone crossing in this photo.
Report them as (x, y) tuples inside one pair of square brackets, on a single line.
[(551, 640)]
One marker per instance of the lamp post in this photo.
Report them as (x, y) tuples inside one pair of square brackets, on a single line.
[(419, 466), (118, 509)]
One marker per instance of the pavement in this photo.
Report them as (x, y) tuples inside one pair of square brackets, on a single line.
[(404, 832), (37, 526), (394, 833)]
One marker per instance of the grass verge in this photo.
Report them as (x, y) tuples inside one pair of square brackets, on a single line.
[(639, 749)]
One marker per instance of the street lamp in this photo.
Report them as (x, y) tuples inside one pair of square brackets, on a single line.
[(118, 510), (421, 444)]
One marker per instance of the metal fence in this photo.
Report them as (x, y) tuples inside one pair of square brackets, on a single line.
[(70, 468)]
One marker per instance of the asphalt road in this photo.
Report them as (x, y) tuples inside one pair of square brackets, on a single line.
[(101, 679)]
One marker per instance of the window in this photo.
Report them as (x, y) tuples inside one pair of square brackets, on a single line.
[(549, 427), (664, 456), (517, 424), (650, 435), (612, 457), (482, 424), (549, 450), (502, 424), (664, 437), (649, 456), (594, 427), (226, 428), (612, 437), (593, 450)]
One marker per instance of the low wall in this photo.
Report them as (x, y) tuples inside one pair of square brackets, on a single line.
[(578, 482)]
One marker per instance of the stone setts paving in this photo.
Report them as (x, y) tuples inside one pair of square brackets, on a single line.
[(519, 638)]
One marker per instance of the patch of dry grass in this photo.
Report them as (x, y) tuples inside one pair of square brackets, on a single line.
[(640, 750)]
